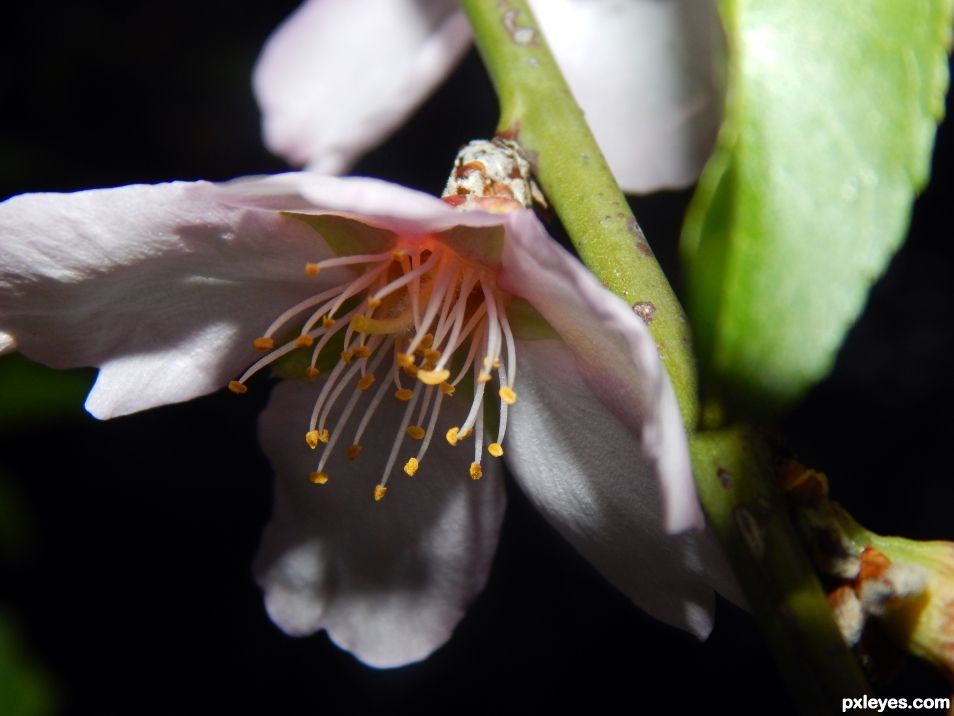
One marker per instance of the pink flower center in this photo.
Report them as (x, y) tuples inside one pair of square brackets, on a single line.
[(415, 322)]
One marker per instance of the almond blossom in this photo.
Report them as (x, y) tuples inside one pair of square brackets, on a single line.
[(339, 76), (422, 346)]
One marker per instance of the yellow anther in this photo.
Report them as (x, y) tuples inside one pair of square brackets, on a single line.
[(404, 360), (319, 478), (353, 451), (486, 361), (447, 388), (433, 377), (415, 431), (373, 302), (476, 472), (431, 354), (507, 395), (311, 372), (426, 341), (379, 492), (361, 351), (312, 269), (263, 344), (366, 381), (496, 363), (453, 435), (403, 394), (483, 378), (237, 388), (346, 356), (464, 434), (410, 467), (311, 437), (398, 254), (304, 341), (327, 322), (410, 370), (323, 435), (495, 449)]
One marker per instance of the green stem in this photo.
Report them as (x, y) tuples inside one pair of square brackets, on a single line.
[(538, 110)]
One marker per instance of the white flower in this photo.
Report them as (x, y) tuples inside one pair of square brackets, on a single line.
[(339, 76), (166, 288)]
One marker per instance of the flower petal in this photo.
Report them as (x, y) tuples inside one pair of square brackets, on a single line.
[(647, 74), (389, 581), (156, 285), (615, 355), (591, 478), (338, 76)]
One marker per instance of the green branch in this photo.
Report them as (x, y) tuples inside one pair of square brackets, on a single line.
[(538, 110)]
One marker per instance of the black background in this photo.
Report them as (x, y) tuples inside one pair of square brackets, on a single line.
[(133, 588)]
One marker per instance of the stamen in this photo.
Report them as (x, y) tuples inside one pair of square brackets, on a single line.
[(399, 438), (433, 377), (304, 341), (345, 415), (434, 302), (318, 478), (237, 387), (411, 466), (476, 471), (508, 395), (379, 492), (263, 344), (415, 431), (267, 360), (511, 345), (312, 269), (409, 276), (366, 381), (432, 423), (495, 449), (301, 306), (403, 394), (502, 423)]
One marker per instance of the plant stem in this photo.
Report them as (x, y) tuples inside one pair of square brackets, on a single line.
[(538, 110)]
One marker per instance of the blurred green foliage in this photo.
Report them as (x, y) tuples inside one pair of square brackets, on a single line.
[(32, 393)]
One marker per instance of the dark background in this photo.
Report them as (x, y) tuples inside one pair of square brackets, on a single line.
[(127, 576)]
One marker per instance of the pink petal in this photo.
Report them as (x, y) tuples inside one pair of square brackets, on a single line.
[(389, 581), (587, 473), (163, 287), (338, 76), (647, 75), (615, 355)]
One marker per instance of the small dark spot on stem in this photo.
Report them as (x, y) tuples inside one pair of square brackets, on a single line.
[(724, 477), (645, 310)]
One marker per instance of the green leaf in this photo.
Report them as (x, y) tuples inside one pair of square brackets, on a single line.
[(831, 114)]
